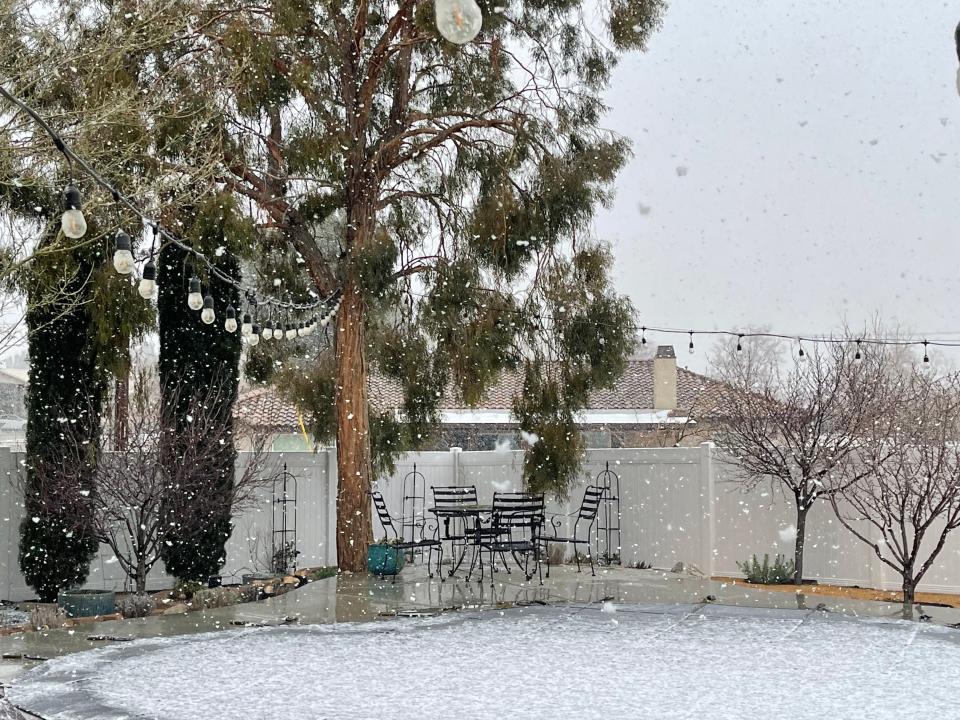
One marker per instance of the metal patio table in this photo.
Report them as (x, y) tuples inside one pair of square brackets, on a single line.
[(465, 512)]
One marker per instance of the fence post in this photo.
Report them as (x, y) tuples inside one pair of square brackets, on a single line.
[(708, 507), (331, 498)]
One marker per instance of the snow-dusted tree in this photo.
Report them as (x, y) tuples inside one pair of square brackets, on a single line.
[(459, 183), (900, 490), (165, 488), (794, 424)]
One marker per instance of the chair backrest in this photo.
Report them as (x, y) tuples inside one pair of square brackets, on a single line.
[(590, 503), (588, 508), (519, 509), (381, 507), (454, 495)]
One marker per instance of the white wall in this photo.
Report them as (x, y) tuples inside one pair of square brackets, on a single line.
[(677, 505)]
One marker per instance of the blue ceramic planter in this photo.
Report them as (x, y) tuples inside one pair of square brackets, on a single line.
[(384, 559)]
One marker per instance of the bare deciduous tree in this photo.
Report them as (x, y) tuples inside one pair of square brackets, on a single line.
[(130, 501), (794, 425), (900, 492)]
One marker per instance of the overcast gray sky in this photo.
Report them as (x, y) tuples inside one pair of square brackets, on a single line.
[(796, 163)]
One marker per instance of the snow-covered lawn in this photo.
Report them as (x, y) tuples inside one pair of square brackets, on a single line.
[(616, 662)]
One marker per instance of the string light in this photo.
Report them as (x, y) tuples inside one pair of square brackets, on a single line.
[(194, 296), (74, 224), (739, 343), (123, 256), (230, 324), (926, 355), (207, 315), (246, 327), (858, 356), (643, 336), (267, 332), (254, 338), (148, 283), (800, 354), (690, 347)]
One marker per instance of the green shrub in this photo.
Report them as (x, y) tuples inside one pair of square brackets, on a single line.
[(780, 572)]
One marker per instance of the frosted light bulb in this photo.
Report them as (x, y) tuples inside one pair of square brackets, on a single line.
[(194, 298), (459, 21), (208, 316), (291, 332), (300, 331), (278, 332), (246, 327), (254, 338), (148, 283), (230, 324), (72, 222), (267, 331), (123, 257)]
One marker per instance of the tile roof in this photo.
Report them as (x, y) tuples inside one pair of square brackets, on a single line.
[(697, 395)]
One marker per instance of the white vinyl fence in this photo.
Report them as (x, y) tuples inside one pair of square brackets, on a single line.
[(677, 505)]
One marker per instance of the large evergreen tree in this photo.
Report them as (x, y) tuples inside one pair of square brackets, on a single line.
[(445, 191), (66, 388), (199, 360)]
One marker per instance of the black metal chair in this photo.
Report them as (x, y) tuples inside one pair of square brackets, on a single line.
[(430, 544), (448, 502), (516, 525), (582, 527)]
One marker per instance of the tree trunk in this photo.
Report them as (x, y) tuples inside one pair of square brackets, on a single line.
[(354, 529), (121, 405), (141, 578), (802, 510), (909, 594)]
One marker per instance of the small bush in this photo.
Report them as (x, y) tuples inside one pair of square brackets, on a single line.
[(135, 606), (184, 589), (780, 572)]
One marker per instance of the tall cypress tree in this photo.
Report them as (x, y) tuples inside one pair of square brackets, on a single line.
[(65, 387), (194, 357)]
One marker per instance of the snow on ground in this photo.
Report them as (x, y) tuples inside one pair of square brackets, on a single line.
[(665, 662)]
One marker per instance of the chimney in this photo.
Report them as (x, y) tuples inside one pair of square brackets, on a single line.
[(665, 378)]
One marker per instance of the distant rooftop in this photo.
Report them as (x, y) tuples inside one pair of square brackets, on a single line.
[(697, 396)]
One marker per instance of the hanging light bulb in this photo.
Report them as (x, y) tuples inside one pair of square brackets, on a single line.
[(208, 315), (254, 337), (690, 346), (230, 324), (739, 341), (643, 336), (148, 283), (123, 256), (324, 321), (278, 332), (267, 333), (927, 365), (300, 330), (291, 331), (801, 355), (246, 327), (459, 21), (72, 222), (857, 355), (194, 298)]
